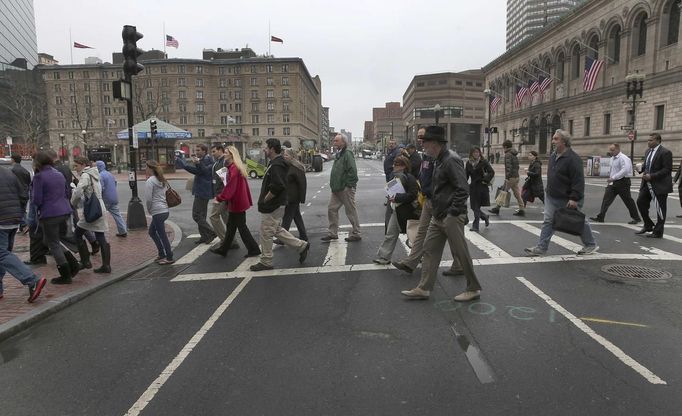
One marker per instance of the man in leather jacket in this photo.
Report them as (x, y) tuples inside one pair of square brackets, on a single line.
[(450, 193)]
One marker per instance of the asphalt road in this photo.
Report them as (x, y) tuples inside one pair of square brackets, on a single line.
[(554, 336)]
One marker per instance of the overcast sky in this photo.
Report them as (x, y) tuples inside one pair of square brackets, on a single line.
[(365, 52)]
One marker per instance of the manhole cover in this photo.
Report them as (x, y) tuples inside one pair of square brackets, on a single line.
[(629, 271), (159, 272)]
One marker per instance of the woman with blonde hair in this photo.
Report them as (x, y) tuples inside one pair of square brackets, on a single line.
[(238, 196), (155, 200), (296, 188)]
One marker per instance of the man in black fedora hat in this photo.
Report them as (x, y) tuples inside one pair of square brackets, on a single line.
[(449, 210)]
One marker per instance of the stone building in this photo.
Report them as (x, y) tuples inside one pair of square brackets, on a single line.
[(630, 37), (460, 98), (387, 123), (241, 101)]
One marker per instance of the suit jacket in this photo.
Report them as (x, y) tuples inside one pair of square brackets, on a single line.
[(660, 171), (677, 175)]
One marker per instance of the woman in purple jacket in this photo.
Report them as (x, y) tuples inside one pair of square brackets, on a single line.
[(50, 197)]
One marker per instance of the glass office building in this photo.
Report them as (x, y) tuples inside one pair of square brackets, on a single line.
[(18, 32), (527, 17)]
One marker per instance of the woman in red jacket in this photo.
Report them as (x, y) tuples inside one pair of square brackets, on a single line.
[(238, 196)]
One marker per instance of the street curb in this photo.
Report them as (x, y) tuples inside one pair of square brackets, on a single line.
[(18, 324)]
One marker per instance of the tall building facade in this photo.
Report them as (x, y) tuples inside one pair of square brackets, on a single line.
[(18, 42), (629, 38), (387, 123), (222, 100), (461, 100), (527, 17)]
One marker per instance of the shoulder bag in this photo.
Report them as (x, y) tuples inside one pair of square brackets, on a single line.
[(92, 209), (569, 221), (173, 198)]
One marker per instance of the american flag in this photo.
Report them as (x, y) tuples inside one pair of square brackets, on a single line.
[(592, 68), (534, 87), (521, 92), (171, 41), (544, 84), (81, 46), (494, 102)]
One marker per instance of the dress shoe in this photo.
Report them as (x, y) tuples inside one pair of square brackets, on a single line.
[(654, 235), (678, 216), (453, 272), (596, 219), (644, 230), (474, 229), (35, 262), (381, 261), (494, 211), (519, 213), (219, 251), (467, 296), (304, 253), (259, 267), (353, 238), (199, 241), (124, 235), (252, 254), (416, 293), (632, 222), (329, 238), (278, 242), (402, 266), (487, 220)]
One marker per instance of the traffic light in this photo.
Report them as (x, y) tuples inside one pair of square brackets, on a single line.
[(152, 127), (131, 51)]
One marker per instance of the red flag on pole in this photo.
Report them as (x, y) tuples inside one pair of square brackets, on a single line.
[(81, 46), (276, 39)]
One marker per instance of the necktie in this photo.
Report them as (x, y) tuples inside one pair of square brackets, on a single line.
[(648, 162)]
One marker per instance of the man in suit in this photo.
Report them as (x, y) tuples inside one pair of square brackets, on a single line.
[(656, 185)]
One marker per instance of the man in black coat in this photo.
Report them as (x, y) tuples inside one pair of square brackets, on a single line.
[(656, 185), (24, 181), (415, 159)]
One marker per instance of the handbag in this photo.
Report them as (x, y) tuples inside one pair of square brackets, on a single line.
[(173, 198), (502, 198), (92, 209), (569, 221)]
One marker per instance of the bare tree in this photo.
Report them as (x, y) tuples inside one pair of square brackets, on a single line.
[(23, 107), (148, 98)]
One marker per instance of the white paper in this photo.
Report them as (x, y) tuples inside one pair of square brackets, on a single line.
[(222, 174), (394, 186)]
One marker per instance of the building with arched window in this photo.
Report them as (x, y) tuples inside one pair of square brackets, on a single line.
[(572, 75)]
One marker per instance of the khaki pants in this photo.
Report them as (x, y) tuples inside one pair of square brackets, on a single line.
[(218, 218), (345, 198), (417, 250), (513, 185), (450, 229), (271, 226)]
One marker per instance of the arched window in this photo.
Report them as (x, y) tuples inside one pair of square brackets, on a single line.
[(671, 21), (560, 63), (613, 46), (575, 62), (639, 32)]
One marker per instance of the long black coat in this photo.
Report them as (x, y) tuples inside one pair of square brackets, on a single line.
[(406, 210), (480, 178), (535, 185)]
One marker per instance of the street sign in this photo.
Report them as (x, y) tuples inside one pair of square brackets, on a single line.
[(9, 140), (631, 135)]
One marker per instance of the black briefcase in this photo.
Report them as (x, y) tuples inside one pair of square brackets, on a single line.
[(569, 221)]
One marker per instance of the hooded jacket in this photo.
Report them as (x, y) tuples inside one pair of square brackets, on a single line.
[(275, 182), (511, 164), (88, 183), (50, 193), (108, 182)]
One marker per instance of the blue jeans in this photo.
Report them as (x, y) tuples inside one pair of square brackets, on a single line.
[(157, 231), (120, 224), (11, 263), (551, 205)]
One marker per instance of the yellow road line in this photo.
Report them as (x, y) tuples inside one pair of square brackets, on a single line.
[(608, 321)]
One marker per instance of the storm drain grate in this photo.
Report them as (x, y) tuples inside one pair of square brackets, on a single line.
[(159, 272), (629, 271)]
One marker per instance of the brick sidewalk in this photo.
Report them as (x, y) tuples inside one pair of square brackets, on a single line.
[(127, 256)]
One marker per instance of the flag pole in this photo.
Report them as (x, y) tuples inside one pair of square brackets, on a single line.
[(164, 40), (269, 39), (71, 45)]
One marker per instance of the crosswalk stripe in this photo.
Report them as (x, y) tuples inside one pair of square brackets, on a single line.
[(196, 253), (665, 236), (569, 245), (485, 245), (336, 252)]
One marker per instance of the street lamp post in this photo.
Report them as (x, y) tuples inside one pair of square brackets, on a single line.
[(635, 86), (407, 132), (436, 110), (391, 130), (85, 142), (62, 151), (488, 94)]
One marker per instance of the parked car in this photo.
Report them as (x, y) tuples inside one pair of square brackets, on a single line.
[(255, 169)]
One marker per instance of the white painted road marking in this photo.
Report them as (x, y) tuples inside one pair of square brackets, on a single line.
[(569, 245), (196, 252), (336, 253), (156, 385), (484, 244), (613, 349)]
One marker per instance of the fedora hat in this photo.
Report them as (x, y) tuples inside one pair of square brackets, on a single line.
[(434, 133)]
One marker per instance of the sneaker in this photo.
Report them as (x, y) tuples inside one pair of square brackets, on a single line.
[(534, 251), (165, 261), (416, 293), (519, 213), (304, 253), (635, 222), (402, 266), (588, 250), (259, 267), (467, 296), (353, 238), (34, 291), (453, 272), (329, 237), (596, 219), (124, 235), (381, 261)]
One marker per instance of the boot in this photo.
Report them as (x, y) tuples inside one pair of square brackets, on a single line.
[(64, 275), (74, 266), (95, 247), (84, 254), (106, 259)]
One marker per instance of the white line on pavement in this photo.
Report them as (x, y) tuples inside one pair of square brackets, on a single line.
[(484, 244), (196, 253), (665, 236), (336, 253), (156, 385), (569, 245), (613, 349)]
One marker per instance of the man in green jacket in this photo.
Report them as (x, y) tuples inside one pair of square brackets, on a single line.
[(344, 179)]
